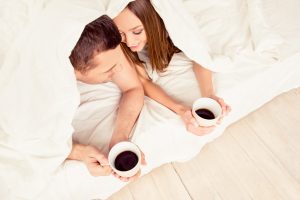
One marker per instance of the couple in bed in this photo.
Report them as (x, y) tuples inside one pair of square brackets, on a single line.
[(133, 51)]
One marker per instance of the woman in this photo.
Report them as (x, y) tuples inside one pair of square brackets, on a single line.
[(146, 40)]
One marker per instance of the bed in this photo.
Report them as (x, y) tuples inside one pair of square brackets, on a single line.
[(253, 45)]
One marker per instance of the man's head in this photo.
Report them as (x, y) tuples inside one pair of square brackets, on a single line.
[(97, 52)]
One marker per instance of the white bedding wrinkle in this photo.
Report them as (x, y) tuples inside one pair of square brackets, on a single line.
[(15, 15), (39, 97), (282, 18), (223, 23), (266, 42)]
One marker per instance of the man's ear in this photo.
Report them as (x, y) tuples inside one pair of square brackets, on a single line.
[(78, 74)]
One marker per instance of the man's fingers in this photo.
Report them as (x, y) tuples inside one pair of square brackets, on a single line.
[(101, 159), (100, 171), (135, 176), (124, 179), (106, 170)]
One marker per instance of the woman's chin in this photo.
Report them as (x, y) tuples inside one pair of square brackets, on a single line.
[(137, 49)]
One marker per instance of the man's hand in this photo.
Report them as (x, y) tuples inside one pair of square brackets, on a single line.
[(116, 138), (126, 179), (94, 160)]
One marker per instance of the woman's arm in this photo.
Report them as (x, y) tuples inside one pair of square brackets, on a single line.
[(204, 78), (156, 93)]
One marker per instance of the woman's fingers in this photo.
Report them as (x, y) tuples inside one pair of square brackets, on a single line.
[(200, 130)]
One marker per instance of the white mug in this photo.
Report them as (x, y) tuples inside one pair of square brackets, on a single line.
[(206, 111), (128, 162)]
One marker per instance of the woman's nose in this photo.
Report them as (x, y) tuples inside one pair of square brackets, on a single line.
[(130, 41)]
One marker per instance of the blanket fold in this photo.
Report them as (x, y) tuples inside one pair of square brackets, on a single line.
[(39, 97)]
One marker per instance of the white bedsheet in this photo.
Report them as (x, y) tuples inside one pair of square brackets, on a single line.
[(28, 92)]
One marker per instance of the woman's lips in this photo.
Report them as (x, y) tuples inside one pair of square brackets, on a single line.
[(134, 47)]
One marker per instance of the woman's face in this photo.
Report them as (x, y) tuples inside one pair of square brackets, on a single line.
[(131, 30)]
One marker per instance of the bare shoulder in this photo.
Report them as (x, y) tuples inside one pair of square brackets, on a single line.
[(126, 78)]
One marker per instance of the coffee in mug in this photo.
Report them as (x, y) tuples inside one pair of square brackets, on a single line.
[(125, 158), (206, 111)]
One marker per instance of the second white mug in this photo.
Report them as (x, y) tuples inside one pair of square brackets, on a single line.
[(206, 111)]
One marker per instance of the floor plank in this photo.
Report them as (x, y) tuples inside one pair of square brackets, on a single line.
[(124, 193), (145, 188), (169, 184), (214, 170), (271, 147), (268, 164), (242, 168), (161, 184), (281, 133), (196, 182)]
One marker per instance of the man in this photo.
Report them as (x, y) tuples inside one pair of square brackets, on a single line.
[(97, 58)]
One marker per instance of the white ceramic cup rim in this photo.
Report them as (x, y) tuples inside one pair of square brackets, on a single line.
[(119, 148)]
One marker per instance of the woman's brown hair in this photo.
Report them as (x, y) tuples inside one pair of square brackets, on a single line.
[(159, 45)]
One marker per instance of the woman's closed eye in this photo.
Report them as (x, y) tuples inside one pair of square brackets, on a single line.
[(137, 32)]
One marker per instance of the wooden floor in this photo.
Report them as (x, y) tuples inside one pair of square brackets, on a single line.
[(256, 158)]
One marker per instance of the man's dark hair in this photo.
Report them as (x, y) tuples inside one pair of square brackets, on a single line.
[(98, 36)]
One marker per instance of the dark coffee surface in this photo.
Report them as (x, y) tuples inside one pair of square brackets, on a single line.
[(126, 161), (205, 113)]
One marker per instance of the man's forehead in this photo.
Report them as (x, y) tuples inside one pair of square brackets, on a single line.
[(106, 59)]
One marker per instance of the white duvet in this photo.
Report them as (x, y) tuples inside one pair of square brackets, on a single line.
[(253, 45)]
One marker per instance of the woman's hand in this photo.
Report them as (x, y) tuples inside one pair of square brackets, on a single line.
[(191, 123), (225, 107)]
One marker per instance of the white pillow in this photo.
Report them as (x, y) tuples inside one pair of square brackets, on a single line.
[(266, 41), (223, 23), (234, 27)]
